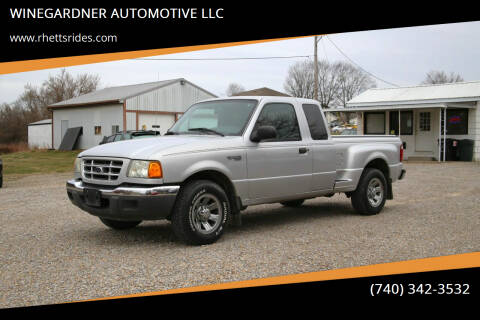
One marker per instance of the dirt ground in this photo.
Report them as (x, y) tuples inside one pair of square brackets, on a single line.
[(52, 252)]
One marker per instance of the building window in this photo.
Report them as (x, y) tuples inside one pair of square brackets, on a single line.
[(98, 130), (457, 121), (424, 121), (115, 129), (374, 123), (406, 122)]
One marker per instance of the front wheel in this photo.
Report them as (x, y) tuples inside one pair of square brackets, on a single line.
[(200, 213), (370, 196), (119, 225)]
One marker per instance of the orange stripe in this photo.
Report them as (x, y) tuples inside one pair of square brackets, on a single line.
[(40, 64), (459, 261)]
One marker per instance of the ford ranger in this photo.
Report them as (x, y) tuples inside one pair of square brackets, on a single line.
[(226, 154)]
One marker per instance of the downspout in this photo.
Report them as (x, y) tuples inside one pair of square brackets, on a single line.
[(444, 132), (124, 115), (440, 134), (53, 147)]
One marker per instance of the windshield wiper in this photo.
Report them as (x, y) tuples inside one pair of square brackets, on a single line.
[(168, 133), (206, 130)]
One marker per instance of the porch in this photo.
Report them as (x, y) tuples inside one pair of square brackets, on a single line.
[(420, 127)]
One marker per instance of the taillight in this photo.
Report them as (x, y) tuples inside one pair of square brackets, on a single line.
[(401, 152)]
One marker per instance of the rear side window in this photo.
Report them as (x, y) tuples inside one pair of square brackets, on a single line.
[(283, 118), (315, 122)]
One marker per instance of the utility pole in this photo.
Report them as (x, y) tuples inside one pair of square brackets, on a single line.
[(315, 62)]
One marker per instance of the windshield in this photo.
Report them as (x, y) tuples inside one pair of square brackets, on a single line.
[(224, 117)]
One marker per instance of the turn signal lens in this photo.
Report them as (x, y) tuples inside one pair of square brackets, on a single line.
[(401, 153), (155, 170)]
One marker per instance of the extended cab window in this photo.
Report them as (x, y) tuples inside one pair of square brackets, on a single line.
[(315, 122), (282, 117)]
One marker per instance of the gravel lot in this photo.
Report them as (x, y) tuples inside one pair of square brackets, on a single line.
[(52, 252)]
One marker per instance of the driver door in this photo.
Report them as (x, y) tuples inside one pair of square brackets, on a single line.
[(282, 166)]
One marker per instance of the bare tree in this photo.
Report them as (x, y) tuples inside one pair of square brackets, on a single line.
[(438, 77), (351, 82), (32, 104), (337, 82), (234, 88), (300, 81)]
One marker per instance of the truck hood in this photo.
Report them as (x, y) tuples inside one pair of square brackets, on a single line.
[(155, 147)]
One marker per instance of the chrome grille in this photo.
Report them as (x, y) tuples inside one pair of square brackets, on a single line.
[(102, 169)]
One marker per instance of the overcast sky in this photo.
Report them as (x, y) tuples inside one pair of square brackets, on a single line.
[(400, 56)]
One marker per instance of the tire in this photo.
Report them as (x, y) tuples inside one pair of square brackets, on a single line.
[(119, 225), (371, 193), (293, 203), (200, 213)]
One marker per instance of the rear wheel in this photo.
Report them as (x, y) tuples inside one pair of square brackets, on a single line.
[(370, 196), (200, 213), (119, 225), (293, 203)]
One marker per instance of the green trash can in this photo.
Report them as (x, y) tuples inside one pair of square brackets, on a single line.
[(465, 150)]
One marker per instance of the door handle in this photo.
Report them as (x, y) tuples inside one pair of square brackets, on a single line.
[(303, 150)]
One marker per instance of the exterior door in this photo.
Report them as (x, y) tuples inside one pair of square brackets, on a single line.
[(424, 132), (281, 166)]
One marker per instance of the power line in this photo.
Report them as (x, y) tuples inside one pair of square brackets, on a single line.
[(392, 84), (220, 59)]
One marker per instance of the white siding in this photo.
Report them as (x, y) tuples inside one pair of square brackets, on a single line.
[(88, 117), (40, 136), (131, 121), (172, 98), (164, 121)]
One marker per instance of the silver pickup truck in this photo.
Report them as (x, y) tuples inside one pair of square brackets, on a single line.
[(223, 155)]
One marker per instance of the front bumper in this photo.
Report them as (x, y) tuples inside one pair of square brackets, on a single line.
[(125, 203)]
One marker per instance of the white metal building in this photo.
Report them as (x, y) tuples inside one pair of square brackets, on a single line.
[(155, 105), (419, 115), (40, 134)]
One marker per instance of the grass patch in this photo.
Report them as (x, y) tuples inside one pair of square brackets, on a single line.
[(13, 147), (38, 161)]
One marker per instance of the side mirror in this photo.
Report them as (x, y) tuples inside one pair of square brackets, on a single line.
[(263, 133)]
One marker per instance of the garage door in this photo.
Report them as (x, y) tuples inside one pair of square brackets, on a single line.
[(159, 122)]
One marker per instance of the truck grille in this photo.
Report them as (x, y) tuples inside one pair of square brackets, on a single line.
[(102, 169)]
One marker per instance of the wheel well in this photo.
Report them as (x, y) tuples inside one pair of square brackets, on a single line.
[(222, 180)]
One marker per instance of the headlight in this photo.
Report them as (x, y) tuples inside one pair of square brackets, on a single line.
[(145, 169), (78, 165)]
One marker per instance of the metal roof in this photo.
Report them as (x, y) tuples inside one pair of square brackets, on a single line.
[(41, 122), (261, 92), (382, 108), (115, 94), (438, 93)]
